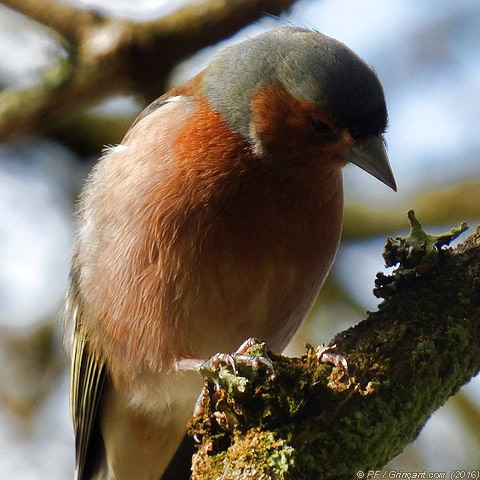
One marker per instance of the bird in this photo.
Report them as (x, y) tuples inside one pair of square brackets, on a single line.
[(216, 218)]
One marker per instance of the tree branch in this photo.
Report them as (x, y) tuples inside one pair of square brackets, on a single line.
[(315, 421), (111, 56), (65, 20)]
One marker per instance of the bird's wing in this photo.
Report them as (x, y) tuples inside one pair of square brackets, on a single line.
[(86, 386), (152, 107)]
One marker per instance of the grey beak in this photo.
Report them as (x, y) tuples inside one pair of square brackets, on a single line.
[(370, 155)]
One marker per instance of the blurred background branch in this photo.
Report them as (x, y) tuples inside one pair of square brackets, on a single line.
[(103, 55), (62, 19), (435, 207)]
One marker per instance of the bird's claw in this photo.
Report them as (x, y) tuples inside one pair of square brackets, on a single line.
[(213, 363), (325, 355), (233, 373), (255, 361), (248, 343), (241, 356)]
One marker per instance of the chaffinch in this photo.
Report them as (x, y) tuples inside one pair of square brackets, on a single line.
[(217, 218)]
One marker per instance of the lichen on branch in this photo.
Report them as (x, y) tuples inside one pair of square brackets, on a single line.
[(415, 254)]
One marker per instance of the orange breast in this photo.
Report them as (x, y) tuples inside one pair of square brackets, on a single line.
[(267, 238), (200, 244)]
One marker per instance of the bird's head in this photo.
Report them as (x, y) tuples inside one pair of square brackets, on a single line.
[(296, 95)]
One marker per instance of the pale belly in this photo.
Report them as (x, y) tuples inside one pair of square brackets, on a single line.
[(268, 302)]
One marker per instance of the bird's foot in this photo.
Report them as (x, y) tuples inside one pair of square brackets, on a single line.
[(199, 409), (325, 355), (251, 354), (234, 371)]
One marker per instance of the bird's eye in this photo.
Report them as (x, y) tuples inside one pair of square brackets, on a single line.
[(321, 127)]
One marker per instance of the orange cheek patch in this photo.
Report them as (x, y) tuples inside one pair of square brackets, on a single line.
[(275, 114), (282, 124)]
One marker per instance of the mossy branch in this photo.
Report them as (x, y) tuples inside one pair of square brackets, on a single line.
[(107, 55), (315, 421)]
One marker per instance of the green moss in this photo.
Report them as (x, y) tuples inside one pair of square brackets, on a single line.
[(257, 454)]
